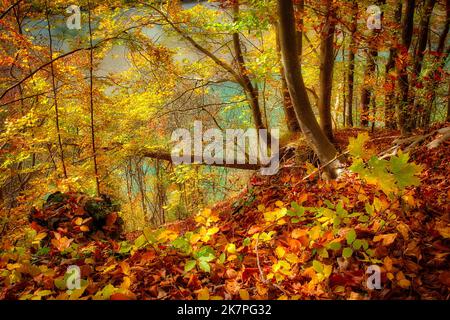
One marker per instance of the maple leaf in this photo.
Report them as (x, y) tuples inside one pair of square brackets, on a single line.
[(405, 173), (356, 146)]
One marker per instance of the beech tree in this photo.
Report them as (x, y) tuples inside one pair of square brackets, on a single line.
[(297, 90)]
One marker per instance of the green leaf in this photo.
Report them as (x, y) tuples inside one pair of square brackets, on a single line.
[(329, 204), (207, 258), (323, 253), (318, 267), (334, 246), (204, 252), (247, 241), (347, 252), (182, 244), (204, 266), (405, 173), (351, 236), (190, 265), (365, 244), (356, 145), (140, 241), (357, 244), (369, 209), (363, 219), (222, 258)]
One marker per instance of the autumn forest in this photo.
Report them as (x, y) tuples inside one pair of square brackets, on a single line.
[(224, 150)]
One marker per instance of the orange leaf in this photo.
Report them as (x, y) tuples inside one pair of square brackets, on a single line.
[(386, 238), (244, 294)]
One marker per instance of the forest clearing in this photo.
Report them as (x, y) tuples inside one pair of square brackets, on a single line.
[(224, 150)]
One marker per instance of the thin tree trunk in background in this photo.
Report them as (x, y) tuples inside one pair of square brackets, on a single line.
[(366, 93), (439, 61), (448, 103), (369, 74), (251, 90), (299, 7), (55, 97), (241, 78), (351, 64), (344, 87), (389, 104), (403, 79), (289, 113), (417, 109), (314, 135), (91, 100), (326, 70)]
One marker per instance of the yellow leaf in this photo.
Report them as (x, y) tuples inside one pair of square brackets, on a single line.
[(231, 248), (212, 231), (261, 208), (279, 204), (403, 229), (126, 283), (388, 263), (298, 233), (125, 267), (444, 231), (79, 221), (203, 294), (244, 294), (84, 228), (404, 283), (291, 258), (280, 252)]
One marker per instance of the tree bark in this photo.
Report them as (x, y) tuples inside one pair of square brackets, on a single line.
[(417, 109), (403, 79), (366, 92), (389, 104), (351, 64), (91, 101), (289, 113), (250, 90), (326, 70), (55, 97), (369, 74), (316, 138), (439, 62)]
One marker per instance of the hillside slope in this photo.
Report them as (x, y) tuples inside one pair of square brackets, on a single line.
[(290, 236)]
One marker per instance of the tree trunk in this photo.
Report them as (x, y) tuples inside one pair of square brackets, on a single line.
[(250, 90), (439, 62), (91, 100), (351, 64), (300, 11), (326, 70), (366, 92), (417, 110), (369, 74), (403, 80), (289, 113), (325, 151), (55, 97), (389, 104), (448, 103)]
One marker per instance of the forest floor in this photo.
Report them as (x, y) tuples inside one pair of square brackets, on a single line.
[(266, 243)]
